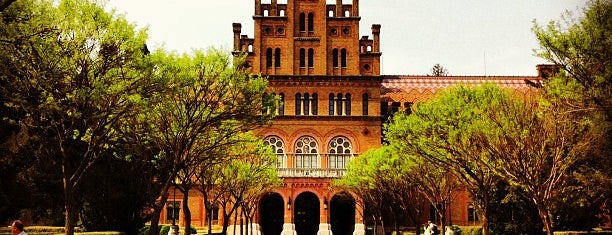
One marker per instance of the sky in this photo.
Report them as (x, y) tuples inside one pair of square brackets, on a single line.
[(467, 37)]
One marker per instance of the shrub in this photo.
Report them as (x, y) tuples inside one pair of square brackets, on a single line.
[(164, 230), (471, 230), (456, 230)]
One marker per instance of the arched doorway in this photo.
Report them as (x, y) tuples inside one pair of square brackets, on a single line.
[(307, 214), (271, 214), (342, 214)]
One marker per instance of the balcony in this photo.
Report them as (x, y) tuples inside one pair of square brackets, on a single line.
[(313, 165)]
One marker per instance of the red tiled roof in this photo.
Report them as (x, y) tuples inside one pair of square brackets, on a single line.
[(402, 88)]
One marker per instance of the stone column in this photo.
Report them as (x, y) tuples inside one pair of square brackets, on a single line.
[(324, 229), (359, 229), (288, 229)]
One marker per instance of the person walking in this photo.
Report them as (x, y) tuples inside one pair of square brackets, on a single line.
[(17, 228)]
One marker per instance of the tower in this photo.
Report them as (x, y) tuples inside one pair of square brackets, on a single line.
[(309, 37), (328, 80)]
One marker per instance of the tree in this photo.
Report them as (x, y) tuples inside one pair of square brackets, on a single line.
[(245, 178), (440, 131), (75, 70), (535, 147), (581, 47), (438, 70), (209, 102), (386, 179)]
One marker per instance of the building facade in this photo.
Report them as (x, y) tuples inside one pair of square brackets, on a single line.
[(333, 104)]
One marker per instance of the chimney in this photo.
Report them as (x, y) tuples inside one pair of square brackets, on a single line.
[(339, 8), (376, 34), (237, 30), (257, 7), (547, 70), (274, 10), (355, 7)]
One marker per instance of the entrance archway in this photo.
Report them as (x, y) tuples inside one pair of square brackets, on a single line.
[(342, 214), (272, 212), (307, 214)]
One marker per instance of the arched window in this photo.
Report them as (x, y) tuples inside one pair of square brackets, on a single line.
[(347, 104), (306, 104), (314, 102), (266, 13), (298, 104), (306, 150), (364, 104), (282, 12), (330, 13), (340, 152), (335, 58), (343, 58), (310, 22), (269, 57), (277, 57), (302, 22), (331, 104), (339, 105), (278, 146), (310, 58), (347, 13), (281, 104), (302, 58)]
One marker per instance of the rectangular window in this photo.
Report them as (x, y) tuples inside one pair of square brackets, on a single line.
[(173, 209), (338, 161), (307, 161), (310, 58), (302, 58), (472, 215), (213, 215), (331, 104), (364, 106), (298, 104), (277, 58)]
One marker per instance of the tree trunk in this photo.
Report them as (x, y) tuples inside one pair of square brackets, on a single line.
[(187, 212), (154, 228), (545, 217), (225, 222), (70, 204), (209, 215), (235, 222), (157, 208)]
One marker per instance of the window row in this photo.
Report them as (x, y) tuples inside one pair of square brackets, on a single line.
[(306, 151), (303, 58), (273, 57), (307, 104), (303, 24), (276, 57), (341, 57), (307, 144)]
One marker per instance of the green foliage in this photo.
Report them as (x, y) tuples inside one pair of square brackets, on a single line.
[(582, 47), (164, 230), (471, 230), (440, 133)]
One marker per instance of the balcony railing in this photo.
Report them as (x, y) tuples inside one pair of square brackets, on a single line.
[(313, 165)]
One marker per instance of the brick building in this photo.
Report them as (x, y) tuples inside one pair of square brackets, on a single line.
[(334, 101)]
